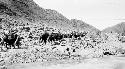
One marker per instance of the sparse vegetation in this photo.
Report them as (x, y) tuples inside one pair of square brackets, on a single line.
[(24, 41)]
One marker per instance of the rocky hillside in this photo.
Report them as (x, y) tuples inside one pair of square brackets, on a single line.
[(31, 34), (119, 28), (27, 10)]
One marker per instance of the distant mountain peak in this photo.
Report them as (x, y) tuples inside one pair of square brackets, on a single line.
[(119, 28)]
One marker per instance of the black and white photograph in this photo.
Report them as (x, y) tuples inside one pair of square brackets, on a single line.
[(62, 34)]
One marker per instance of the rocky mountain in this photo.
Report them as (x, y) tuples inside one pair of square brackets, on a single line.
[(119, 28), (31, 34), (29, 11), (82, 26)]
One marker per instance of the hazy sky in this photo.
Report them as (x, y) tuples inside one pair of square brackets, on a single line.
[(98, 13)]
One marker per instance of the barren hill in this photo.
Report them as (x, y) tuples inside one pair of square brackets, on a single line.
[(119, 28), (31, 34), (28, 10)]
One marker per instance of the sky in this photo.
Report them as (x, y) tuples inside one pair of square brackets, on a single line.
[(98, 13)]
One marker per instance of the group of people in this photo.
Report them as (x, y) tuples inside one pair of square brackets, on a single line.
[(46, 37), (10, 40)]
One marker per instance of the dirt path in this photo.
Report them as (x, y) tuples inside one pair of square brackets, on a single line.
[(96, 63)]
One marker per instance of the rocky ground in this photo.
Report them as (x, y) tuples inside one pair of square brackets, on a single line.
[(95, 63), (33, 37)]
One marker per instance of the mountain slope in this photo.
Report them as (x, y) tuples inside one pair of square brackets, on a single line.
[(119, 28), (29, 10), (82, 26)]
